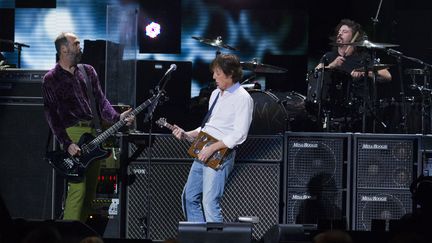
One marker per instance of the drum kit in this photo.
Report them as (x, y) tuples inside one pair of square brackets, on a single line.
[(329, 103)]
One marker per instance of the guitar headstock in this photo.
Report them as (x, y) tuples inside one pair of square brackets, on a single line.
[(162, 122)]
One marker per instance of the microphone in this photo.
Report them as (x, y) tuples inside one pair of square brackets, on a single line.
[(172, 68), (21, 44), (166, 77)]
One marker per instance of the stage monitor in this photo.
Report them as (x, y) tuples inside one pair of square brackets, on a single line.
[(159, 26), (192, 232), (7, 29)]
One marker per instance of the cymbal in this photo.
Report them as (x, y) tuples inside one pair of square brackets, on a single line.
[(366, 44), (256, 67), (375, 67), (214, 42)]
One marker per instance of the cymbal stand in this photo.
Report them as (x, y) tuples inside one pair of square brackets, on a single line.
[(375, 21), (427, 84), (366, 94), (426, 67), (426, 93), (402, 95), (253, 76), (218, 49), (370, 95), (327, 123)]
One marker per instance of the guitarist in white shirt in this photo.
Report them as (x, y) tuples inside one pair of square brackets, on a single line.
[(229, 123)]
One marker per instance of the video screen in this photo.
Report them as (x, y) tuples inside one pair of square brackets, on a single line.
[(159, 27)]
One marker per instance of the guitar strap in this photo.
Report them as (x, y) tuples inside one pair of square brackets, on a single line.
[(47, 149), (96, 119), (207, 116)]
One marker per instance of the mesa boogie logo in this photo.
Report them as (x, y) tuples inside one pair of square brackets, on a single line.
[(374, 146), (305, 145), (373, 199), (301, 197)]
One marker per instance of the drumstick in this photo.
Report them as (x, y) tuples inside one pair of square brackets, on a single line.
[(352, 40)]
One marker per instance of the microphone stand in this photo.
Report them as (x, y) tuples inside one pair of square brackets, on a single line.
[(19, 47), (160, 89)]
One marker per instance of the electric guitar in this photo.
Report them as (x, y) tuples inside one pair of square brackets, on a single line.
[(203, 139), (74, 167)]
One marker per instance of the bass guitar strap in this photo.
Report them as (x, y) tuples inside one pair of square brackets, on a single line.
[(96, 119)]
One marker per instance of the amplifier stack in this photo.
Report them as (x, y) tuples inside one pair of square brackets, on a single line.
[(384, 167), (153, 205), (317, 178)]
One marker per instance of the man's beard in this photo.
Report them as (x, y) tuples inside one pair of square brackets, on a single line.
[(74, 58), (77, 57)]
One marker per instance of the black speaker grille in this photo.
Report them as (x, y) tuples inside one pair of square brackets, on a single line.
[(166, 186), (165, 147), (261, 148), (306, 207), (253, 190), (384, 163), (255, 148), (380, 204), (312, 157), (26, 182)]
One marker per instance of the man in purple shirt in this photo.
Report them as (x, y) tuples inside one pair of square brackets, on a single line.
[(68, 112)]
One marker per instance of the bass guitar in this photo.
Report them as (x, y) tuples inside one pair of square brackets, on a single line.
[(203, 139), (74, 167)]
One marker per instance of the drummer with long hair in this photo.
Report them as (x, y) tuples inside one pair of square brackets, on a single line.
[(347, 57)]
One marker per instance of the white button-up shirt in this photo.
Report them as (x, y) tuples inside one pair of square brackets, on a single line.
[(231, 116)]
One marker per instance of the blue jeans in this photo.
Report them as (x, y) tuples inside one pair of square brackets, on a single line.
[(204, 189)]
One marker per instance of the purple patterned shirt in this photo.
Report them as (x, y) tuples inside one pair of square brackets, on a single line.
[(66, 102)]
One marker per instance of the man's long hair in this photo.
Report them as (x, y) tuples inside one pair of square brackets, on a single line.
[(354, 26)]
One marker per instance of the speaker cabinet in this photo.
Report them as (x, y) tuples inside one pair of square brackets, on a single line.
[(253, 188), (384, 167), (317, 177), (27, 181)]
